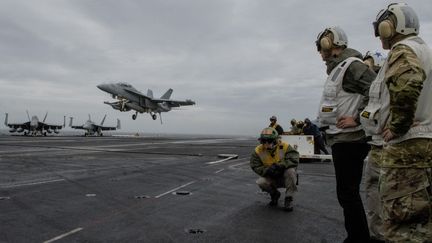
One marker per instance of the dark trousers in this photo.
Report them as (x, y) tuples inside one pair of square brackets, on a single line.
[(348, 161), (319, 145)]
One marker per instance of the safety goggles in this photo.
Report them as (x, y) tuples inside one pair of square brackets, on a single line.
[(382, 15), (267, 140)]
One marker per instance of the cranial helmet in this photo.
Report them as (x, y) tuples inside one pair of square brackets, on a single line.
[(330, 37), (377, 56), (273, 118), (268, 134), (406, 21), (300, 124)]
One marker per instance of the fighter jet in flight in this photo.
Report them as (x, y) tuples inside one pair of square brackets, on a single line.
[(131, 99), (34, 126), (92, 128)]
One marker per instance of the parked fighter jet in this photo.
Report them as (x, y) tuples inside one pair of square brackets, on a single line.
[(34, 126), (131, 99), (92, 128)]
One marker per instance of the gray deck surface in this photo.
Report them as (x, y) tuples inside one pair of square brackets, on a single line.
[(122, 189)]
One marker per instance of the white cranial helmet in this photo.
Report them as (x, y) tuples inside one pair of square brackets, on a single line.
[(339, 38), (406, 21), (377, 56)]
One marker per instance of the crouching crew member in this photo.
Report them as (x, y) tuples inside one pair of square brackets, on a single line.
[(275, 162)]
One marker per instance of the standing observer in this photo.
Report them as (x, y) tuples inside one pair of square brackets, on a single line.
[(275, 125), (345, 95), (399, 116), (375, 60), (312, 129)]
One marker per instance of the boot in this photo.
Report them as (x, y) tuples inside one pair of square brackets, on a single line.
[(275, 195), (288, 204)]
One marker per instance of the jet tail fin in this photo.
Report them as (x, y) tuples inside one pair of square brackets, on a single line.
[(118, 124), (46, 114), (70, 121), (6, 120), (28, 116), (167, 94), (150, 93), (64, 121), (103, 120)]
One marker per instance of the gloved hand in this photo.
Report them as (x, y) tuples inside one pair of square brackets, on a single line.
[(280, 169), (274, 171), (270, 171)]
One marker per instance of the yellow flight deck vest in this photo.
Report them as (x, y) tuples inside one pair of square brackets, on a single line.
[(265, 156)]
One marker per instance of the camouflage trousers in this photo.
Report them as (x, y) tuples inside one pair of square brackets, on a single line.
[(288, 181), (405, 191), (373, 202)]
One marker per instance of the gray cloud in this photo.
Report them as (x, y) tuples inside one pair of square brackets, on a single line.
[(242, 61)]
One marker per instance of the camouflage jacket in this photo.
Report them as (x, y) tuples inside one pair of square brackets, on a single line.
[(404, 79)]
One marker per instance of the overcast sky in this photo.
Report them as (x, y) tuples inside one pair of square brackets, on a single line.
[(240, 60)]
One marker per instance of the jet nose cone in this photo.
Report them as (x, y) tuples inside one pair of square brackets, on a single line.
[(103, 87)]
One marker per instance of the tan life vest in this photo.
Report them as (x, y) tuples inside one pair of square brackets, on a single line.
[(267, 159)]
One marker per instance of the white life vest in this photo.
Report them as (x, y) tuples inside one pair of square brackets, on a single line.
[(336, 102), (374, 117), (376, 114)]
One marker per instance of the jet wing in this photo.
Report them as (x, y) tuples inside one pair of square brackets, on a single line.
[(172, 103), (108, 128), (136, 92), (25, 125), (77, 127), (175, 103), (104, 128), (49, 126)]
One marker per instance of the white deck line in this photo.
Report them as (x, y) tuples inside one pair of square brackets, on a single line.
[(219, 161), (223, 160), (31, 183), (233, 166), (219, 171), (175, 189), (63, 235)]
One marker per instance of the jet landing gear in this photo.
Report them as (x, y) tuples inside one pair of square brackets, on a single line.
[(154, 117), (134, 116)]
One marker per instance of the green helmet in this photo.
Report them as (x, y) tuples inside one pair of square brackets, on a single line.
[(268, 134)]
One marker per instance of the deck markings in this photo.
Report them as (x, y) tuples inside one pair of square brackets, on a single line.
[(234, 166), (31, 183), (175, 189), (219, 171), (63, 235)]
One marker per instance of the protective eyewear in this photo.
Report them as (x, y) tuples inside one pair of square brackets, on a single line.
[(267, 140), (382, 15)]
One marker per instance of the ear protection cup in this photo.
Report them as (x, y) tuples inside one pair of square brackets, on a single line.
[(370, 62), (386, 29), (326, 43)]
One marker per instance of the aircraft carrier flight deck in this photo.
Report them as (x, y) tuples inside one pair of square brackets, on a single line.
[(154, 189)]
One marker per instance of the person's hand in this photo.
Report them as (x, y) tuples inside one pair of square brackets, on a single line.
[(279, 169), (388, 135), (346, 122), (275, 170), (270, 172)]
